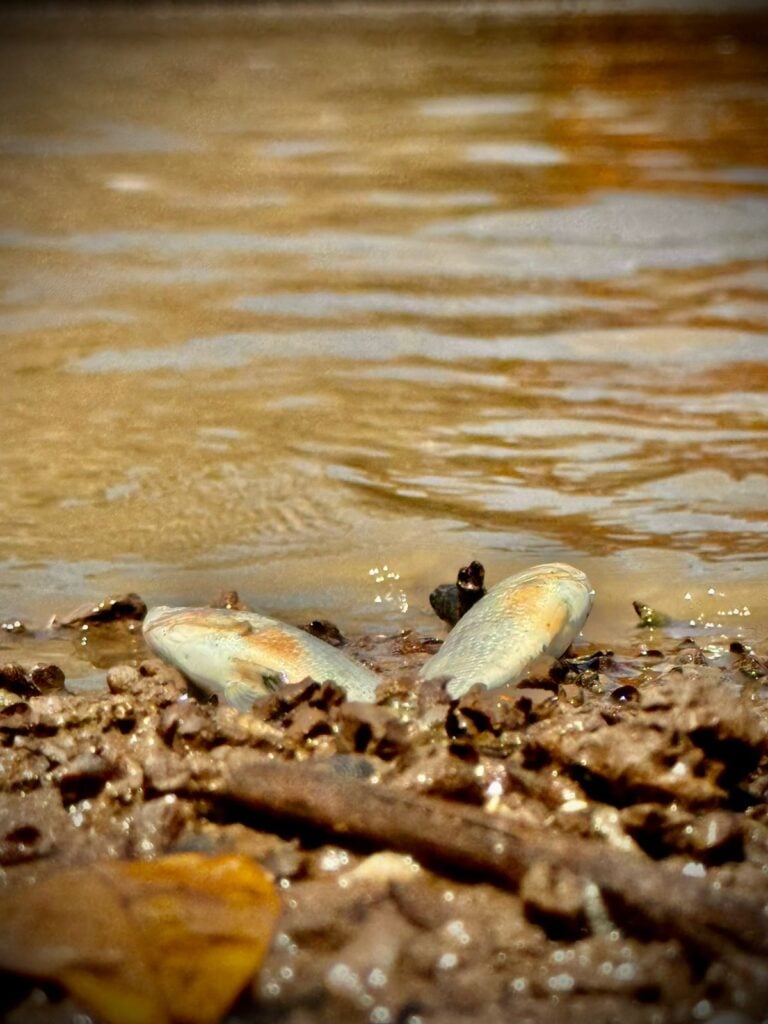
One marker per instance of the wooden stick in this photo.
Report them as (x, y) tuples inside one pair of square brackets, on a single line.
[(721, 925)]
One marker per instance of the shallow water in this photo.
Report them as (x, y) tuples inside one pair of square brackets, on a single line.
[(321, 307)]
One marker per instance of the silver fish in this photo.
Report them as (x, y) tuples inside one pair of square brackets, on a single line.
[(538, 611), (242, 655)]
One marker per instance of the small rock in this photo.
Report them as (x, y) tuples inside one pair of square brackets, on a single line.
[(124, 679), (16, 680), (626, 694), (47, 678), (327, 631), (125, 606), (450, 601)]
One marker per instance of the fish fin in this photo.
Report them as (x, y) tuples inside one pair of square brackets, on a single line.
[(241, 693)]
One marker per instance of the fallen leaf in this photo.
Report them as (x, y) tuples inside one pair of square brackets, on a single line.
[(171, 941)]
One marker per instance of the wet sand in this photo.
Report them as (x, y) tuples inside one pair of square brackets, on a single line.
[(591, 843)]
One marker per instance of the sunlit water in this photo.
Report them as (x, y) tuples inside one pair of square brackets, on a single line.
[(320, 307)]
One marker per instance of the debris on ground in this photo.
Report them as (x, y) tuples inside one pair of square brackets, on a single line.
[(590, 845)]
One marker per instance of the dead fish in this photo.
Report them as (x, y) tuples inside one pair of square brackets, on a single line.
[(538, 611), (242, 655)]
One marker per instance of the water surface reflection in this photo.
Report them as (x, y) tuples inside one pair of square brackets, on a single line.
[(288, 298)]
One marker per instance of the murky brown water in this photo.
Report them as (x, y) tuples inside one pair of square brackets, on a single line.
[(290, 298)]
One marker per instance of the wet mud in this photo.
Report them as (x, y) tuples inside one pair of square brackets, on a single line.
[(590, 845)]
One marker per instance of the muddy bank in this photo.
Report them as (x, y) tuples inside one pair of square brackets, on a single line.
[(590, 845)]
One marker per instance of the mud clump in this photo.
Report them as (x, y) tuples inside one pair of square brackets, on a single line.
[(545, 852)]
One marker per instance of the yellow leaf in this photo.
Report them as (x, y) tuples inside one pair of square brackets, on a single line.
[(172, 941)]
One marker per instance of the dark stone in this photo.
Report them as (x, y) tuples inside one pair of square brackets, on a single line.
[(17, 680), (625, 694), (325, 630), (124, 606), (47, 678), (452, 600)]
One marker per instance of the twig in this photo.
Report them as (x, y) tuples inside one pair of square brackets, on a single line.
[(718, 924)]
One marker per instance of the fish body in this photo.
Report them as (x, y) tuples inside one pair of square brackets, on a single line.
[(536, 612), (242, 655)]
